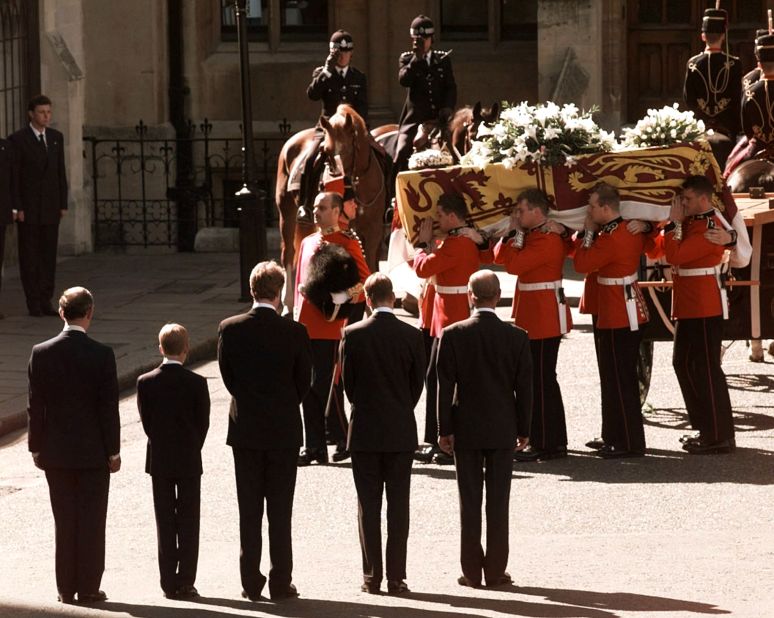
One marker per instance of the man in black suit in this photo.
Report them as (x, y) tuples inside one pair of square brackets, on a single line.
[(41, 199), (174, 406), (383, 366), (7, 198), (484, 407), (74, 435), (266, 365)]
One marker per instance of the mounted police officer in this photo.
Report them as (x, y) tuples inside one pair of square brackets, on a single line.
[(713, 82), (333, 83), (432, 91)]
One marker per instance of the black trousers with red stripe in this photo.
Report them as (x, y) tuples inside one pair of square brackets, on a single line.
[(696, 360), (548, 429), (622, 425)]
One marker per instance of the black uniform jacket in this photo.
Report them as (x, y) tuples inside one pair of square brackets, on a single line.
[(7, 180), (714, 91), (73, 402), (757, 113), (334, 90), (484, 382), (41, 181), (431, 87), (174, 406), (383, 365), (266, 364)]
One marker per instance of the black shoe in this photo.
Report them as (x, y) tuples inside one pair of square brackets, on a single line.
[(503, 580), (308, 455), (596, 444), (372, 588), (613, 452), (469, 583), (397, 586), (539, 454), (67, 599), (690, 437), (186, 592), (92, 597), (442, 459), (425, 454), (255, 597), (289, 592), (341, 452), (701, 447), (47, 309)]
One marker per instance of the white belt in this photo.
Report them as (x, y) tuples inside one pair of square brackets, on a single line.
[(451, 289), (713, 271), (630, 299), (560, 299)]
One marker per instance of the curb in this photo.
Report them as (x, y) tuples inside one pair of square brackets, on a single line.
[(205, 351)]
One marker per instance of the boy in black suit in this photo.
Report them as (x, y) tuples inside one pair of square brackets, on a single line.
[(74, 435), (484, 408), (174, 406), (266, 365), (383, 366)]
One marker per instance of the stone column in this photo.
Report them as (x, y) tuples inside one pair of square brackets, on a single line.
[(379, 63)]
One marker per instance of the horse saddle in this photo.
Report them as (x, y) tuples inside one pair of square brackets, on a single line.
[(332, 281)]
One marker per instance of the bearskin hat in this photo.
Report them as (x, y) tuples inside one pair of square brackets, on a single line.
[(331, 269)]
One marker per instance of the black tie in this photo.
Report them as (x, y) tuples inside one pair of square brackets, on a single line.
[(42, 141)]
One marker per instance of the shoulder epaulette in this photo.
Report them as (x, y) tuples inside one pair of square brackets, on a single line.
[(442, 54), (406, 54)]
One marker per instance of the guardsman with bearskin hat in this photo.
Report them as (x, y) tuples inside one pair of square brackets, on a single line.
[(326, 281), (610, 249), (713, 82), (693, 246), (432, 91), (536, 256)]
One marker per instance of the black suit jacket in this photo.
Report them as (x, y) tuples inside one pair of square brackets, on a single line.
[(73, 402), (383, 365), (335, 90), (431, 87), (484, 382), (7, 190), (174, 405), (266, 365), (41, 181)]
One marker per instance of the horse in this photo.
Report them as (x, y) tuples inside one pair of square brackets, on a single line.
[(345, 135)]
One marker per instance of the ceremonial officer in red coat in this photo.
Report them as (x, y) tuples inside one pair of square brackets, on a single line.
[(699, 305), (536, 256), (610, 249), (324, 334), (449, 266)]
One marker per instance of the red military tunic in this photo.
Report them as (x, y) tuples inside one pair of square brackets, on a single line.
[(540, 260), (615, 254), (309, 315), (451, 265), (696, 296)]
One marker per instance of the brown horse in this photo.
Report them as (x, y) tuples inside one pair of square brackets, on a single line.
[(345, 135)]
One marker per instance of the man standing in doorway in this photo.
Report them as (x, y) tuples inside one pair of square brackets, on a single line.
[(41, 198)]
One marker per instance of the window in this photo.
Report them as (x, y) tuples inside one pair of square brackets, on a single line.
[(512, 20), (299, 20)]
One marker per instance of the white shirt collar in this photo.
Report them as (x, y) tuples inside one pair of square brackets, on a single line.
[(342, 71), (257, 305), (169, 361), (429, 56), (38, 133), (68, 327), (483, 309), (382, 310)]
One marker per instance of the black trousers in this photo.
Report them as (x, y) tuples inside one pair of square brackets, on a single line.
[(375, 473), (548, 429), (37, 262), (176, 504), (696, 360), (404, 147), (79, 500), (475, 469), (622, 425), (324, 355), (268, 475), (431, 395)]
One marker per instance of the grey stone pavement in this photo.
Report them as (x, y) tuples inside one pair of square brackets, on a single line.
[(666, 535)]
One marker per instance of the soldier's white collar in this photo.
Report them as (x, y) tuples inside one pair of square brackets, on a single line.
[(484, 309), (69, 327)]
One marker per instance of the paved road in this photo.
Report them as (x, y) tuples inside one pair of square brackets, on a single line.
[(668, 535)]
